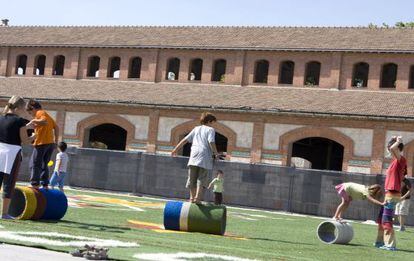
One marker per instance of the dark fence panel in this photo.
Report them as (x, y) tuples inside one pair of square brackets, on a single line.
[(253, 185)]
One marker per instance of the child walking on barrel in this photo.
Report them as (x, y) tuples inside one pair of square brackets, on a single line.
[(217, 184), (353, 191), (203, 152)]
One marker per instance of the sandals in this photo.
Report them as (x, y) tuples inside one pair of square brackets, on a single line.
[(91, 253)]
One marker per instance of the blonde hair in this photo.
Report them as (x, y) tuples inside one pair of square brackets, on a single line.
[(14, 103), (374, 191)]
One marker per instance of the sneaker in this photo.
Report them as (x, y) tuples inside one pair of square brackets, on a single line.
[(388, 248), (7, 217), (378, 244), (402, 229)]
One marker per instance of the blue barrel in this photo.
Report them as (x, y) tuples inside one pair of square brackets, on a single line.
[(56, 206), (203, 218)]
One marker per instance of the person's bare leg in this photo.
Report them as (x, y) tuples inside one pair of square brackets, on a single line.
[(199, 194), (402, 222), (339, 210), (5, 207), (193, 192)]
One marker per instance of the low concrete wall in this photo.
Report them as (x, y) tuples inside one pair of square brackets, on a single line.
[(254, 185)]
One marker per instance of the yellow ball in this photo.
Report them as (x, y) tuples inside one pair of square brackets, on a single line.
[(50, 164)]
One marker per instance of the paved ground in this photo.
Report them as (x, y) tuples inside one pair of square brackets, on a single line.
[(20, 253)]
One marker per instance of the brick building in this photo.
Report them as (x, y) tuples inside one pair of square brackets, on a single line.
[(325, 98)]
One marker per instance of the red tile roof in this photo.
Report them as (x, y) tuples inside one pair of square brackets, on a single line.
[(359, 39), (346, 103)]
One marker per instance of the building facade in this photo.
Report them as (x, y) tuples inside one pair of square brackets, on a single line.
[(323, 98)]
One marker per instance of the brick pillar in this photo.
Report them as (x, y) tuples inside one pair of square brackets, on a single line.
[(60, 121), (378, 146), (403, 75), (336, 71), (30, 65), (245, 75), (124, 67), (299, 74), (49, 65), (207, 70), (374, 76), (158, 67), (4, 56), (257, 142), (184, 69), (153, 131)]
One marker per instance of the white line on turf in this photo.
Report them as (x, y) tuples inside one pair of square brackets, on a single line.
[(77, 241), (182, 256)]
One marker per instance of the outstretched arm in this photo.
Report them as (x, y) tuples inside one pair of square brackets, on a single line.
[(179, 145), (373, 200), (395, 151)]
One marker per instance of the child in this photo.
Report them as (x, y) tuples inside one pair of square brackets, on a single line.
[(395, 175), (47, 134), (402, 207), (218, 188), (203, 151), (352, 191), (61, 165)]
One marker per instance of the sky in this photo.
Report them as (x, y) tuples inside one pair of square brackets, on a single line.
[(207, 12)]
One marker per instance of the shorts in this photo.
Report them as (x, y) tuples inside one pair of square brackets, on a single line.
[(402, 207), (58, 180), (386, 215), (197, 177), (341, 191)]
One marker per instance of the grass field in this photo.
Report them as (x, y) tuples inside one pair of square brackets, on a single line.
[(253, 234)]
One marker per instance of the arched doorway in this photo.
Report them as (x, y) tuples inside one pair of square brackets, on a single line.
[(221, 144), (323, 153), (109, 136)]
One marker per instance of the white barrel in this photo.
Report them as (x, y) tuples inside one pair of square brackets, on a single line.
[(334, 232)]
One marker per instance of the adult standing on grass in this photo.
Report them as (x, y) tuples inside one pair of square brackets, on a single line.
[(395, 175), (13, 133), (203, 152), (402, 208), (47, 134)]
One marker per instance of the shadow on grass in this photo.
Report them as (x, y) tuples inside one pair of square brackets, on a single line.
[(279, 241), (93, 227)]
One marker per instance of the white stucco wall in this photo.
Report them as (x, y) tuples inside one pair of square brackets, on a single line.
[(406, 136), (356, 169), (141, 124), (243, 130), (362, 138), (272, 133), (72, 119), (166, 124)]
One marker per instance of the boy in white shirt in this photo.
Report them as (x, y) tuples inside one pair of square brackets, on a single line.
[(61, 165)]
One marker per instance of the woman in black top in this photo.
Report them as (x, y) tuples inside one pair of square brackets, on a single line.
[(13, 133)]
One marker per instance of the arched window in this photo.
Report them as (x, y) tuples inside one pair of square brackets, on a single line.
[(58, 65), (312, 73), (93, 66), (39, 65), (135, 68), (389, 75), (173, 69), (261, 71), (287, 69), (360, 75), (196, 67), (219, 71), (21, 63), (411, 81), (113, 66)]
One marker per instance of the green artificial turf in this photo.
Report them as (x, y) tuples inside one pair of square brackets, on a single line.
[(264, 235)]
